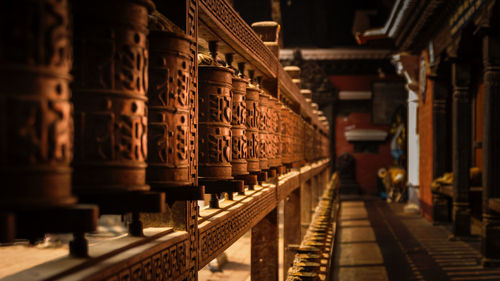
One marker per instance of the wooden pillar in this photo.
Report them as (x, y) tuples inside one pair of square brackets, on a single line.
[(491, 151), (264, 248), (461, 148), (305, 207), (291, 228), (440, 203)]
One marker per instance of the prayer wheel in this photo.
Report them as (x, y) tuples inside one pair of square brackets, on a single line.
[(252, 129), (215, 106), (111, 71), (263, 130), (238, 127), (275, 107), (169, 120), (286, 153), (308, 146), (37, 125)]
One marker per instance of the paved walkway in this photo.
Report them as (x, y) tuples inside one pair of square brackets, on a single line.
[(378, 242)]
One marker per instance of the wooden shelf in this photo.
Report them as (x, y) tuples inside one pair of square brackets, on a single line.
[(218, 229)]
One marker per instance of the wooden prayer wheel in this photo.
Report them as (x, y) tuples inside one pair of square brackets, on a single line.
[(169, 124), (275, 108), (111, 71), (263, 130), (37, 125), (286, 153), (252, 129), (215, 106), (238, 127), (308, 135), (295, 137)]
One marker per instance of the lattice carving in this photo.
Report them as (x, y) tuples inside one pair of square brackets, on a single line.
[(219, 235), (239, 29), (169, 263)]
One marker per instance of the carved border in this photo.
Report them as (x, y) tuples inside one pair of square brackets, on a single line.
[(240, 31), (170, 256), (218, 235), (166, 261)]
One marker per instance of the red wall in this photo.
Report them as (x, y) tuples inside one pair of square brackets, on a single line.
[(367, 164)]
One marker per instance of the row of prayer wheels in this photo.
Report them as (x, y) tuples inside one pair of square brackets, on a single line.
[(134, 118), (314, 256), (243, 129)]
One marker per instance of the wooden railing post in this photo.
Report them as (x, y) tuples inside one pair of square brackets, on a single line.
[(291, 228), (461, 77), (491, 153), (264, 248), (305, 206)]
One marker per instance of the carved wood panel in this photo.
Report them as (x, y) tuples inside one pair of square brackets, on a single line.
[(219, 235), (168, 262)]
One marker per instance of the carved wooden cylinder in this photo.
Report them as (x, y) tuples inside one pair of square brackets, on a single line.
[(111, 75), (169, 161), (274, 109), (238, 127), (263, 130), (286, 153), (308, 136), (215, 107), (252, 129), (36, 131)]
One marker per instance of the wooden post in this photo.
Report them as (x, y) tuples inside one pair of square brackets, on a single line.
[(305, 207), (491, 152), (440, 203), (314, 192), (291, 228), (461, 134), (264, 248)]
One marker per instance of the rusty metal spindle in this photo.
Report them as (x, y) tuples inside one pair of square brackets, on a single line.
[(169, 161)]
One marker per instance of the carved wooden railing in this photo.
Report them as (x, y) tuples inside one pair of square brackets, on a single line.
[(176, 251)]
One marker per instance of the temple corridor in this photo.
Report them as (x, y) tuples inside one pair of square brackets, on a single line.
[(379, 241)]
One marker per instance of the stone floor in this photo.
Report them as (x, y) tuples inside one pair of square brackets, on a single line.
[(378, 241)]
